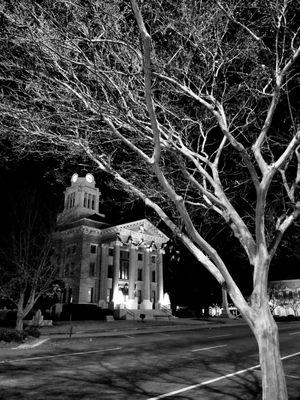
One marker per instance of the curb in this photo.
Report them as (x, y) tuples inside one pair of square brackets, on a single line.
[(136, 331), (31, 345)]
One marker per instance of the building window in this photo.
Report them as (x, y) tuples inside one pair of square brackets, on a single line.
[(92, 269), (153, 276), (124, 269), (72, 199), (140, 257), (140, 274), (85, 200), (72, 269), (153, 259), (124, 255), (110, 251), (110, 271), (153, 296), (124, 264), (93, 202), (139, 293), (91, 294), (89, 201), (93, 249), (74, 249)]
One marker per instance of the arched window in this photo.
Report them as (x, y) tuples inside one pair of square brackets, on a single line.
[(93, 202), (71, 200), (85, 199), (89, 201)]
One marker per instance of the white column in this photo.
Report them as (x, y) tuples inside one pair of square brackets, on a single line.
[(131, 302), (146, 303), (160, 280), (116, 272)]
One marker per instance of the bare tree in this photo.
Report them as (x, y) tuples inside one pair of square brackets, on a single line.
[(199, 98), (27, 270)]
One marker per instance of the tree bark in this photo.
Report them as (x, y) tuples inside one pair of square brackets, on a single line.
[(273, 379), (20, 312), (19, 322), (225, 307)]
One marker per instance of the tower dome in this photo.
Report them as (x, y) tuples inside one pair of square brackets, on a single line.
[(81, 199)]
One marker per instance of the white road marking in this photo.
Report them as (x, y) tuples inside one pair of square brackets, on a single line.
[(130, 337), (58, 355), (290, 356), (220, 378), (208, 348), (295, 333), (218, 336)]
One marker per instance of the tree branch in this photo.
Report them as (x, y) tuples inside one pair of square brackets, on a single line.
[(230, 16)]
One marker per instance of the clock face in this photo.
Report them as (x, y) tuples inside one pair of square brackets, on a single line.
[(74, 177), (89, 178)]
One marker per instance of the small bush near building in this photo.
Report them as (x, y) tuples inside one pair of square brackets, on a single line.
[(11, 335), (33, 331)]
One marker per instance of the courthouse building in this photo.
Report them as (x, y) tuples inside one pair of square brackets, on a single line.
[(284, 297), (117, 267)]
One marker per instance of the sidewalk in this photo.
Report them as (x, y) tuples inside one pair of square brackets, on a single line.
[(123, 327)]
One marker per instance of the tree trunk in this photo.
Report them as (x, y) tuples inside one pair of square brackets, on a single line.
[(20, 312), (19, 322), (225, 307), (273, 378)]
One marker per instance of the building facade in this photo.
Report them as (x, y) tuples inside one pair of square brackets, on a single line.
[(117, 267), (285, 297)]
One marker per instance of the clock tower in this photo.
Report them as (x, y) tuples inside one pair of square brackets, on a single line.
[(81, 199)]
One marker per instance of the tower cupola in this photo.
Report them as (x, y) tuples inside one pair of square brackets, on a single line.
[(81, 199)]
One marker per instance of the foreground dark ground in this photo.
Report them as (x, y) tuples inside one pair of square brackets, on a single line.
[(146, 362)]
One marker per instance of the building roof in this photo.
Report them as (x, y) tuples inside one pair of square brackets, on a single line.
[(137, 231), (141, 232)]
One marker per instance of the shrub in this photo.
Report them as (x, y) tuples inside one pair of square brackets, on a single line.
[(33, 331), (142, 316), (11, 335)]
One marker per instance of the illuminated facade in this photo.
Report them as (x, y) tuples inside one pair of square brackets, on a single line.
[(118, 267), (285, 297)]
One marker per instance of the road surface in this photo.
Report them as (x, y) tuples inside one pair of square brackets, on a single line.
[(210, 364)]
